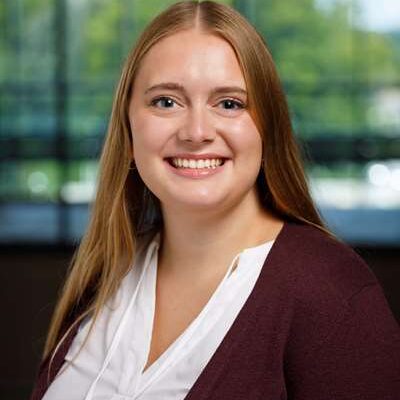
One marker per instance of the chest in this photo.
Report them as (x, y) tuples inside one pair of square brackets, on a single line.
[(177, 305), (175, 308)]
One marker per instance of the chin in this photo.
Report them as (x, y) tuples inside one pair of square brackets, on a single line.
[(195, 204)]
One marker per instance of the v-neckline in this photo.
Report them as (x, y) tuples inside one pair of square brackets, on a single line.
[(169, 351), (203, 386), (148, 374), (219, 359)]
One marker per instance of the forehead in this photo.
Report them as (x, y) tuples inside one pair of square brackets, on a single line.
[(191, 57)]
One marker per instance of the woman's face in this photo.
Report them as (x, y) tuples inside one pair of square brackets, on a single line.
[(195, 144)]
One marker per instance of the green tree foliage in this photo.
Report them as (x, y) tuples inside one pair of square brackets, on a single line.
[(330, 66), (328, 63)]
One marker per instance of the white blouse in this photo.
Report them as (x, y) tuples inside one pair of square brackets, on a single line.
[(110, 365)]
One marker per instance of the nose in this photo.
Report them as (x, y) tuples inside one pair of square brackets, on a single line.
[(198, 126)]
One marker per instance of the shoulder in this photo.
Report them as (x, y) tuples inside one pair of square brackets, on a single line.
[(332, 293), (340, 326), (318, 278), (316, 261)]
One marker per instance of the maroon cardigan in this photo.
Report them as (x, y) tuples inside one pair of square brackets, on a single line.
[(315, 327)]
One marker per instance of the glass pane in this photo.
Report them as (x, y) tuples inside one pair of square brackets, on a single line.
[(350, 185), (339, 61), (27, 67), (33, 181), (80, 184), (29, 223)]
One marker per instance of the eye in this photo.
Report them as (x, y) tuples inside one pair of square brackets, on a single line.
[(163, 102), (230, 104)]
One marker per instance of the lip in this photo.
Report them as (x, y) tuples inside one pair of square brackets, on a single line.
[(197, 156), (194, 173)]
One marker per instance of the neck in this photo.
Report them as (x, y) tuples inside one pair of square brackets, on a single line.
[(204, 243)]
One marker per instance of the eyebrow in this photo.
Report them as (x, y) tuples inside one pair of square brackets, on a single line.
[(180, 88)]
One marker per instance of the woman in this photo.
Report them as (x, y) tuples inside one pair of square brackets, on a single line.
[(206, 271)]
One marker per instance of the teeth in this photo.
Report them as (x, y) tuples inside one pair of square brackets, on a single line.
[(193, 164)]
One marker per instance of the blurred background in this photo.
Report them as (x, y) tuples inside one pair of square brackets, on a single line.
[(60, 60)]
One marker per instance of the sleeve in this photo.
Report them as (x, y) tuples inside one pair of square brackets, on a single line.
[(50, 367), (358, 359)]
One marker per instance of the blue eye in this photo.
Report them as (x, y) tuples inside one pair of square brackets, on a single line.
[(230, 104), (163, 102)]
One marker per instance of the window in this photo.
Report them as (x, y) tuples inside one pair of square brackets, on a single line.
[(339, 61)]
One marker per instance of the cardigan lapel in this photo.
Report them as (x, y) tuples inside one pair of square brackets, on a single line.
[(204, 386)]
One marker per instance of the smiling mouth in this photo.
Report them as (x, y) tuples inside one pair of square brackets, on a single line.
[(185, 163)]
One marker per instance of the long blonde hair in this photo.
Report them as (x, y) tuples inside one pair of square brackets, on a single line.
[(124, 208)]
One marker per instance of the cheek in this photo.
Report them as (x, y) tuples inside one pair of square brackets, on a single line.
[(147, 136), (245, 139), (145, 148), (149, 127)]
